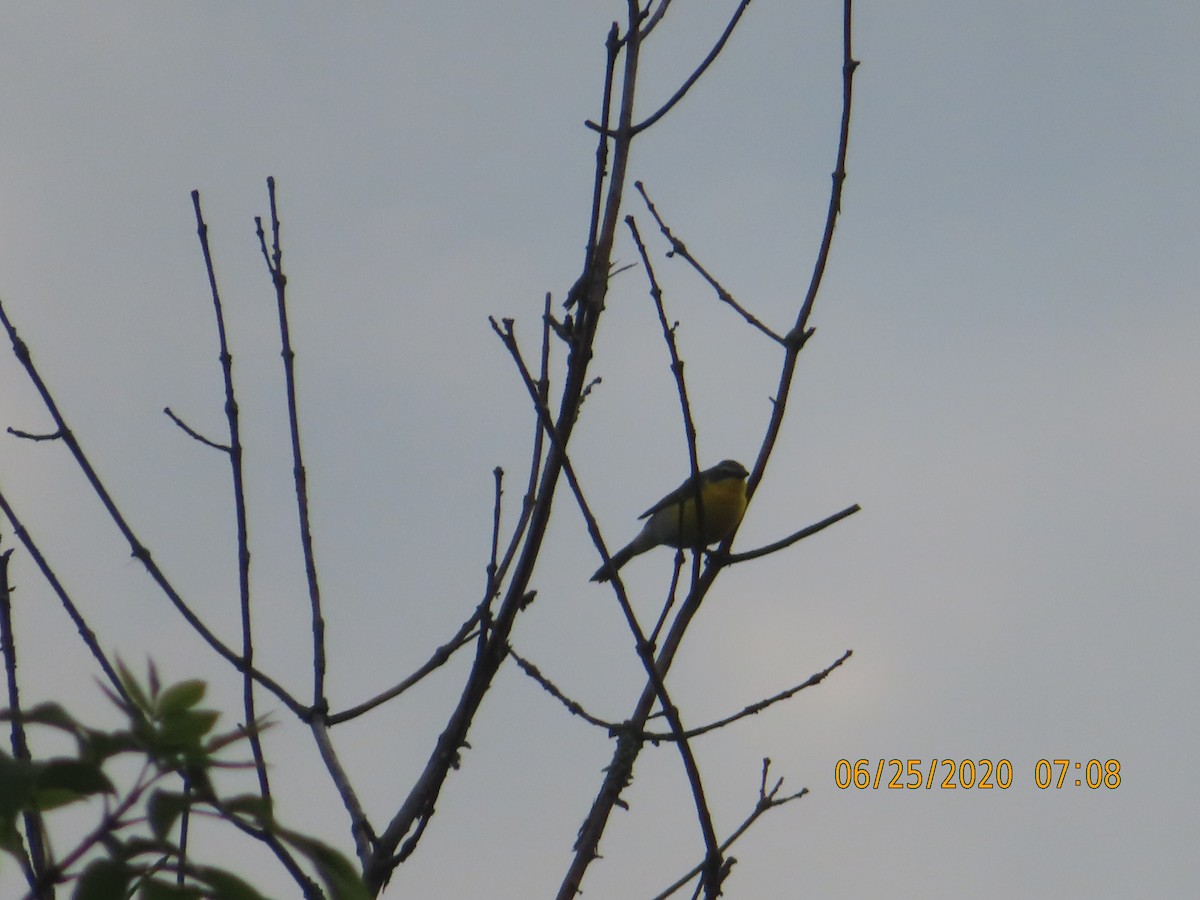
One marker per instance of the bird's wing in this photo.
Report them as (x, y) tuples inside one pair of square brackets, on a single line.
[(680, 493)]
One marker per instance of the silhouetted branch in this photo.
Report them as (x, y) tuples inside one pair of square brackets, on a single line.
[(30, 436), (274, 261), (139, 550), (754, 708), (792, 538), (234, 449), (30, 853), (796, 338), (679, 249), (700, 69), (85, 633), (360, 826), (464, 636), (668, 331), (767, 800), (572, 706), (192, 433)]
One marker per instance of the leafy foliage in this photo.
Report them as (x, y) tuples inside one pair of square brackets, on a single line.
[(135, 848)]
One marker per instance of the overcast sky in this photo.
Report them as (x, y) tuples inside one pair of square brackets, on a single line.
[(1004, 376)]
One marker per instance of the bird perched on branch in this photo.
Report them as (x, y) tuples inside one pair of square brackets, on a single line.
[(678, 521)]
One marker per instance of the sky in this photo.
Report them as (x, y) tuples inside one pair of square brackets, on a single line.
[(1003, 376)]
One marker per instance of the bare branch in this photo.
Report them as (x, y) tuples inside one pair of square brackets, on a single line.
[(654, 18), (33, 861), (360, 826), (679, 249), (234, 449), (766, 802), (274, 260), (792, 538), (192, 433), (29, 436), (796, 338), (668, 330), (573, 706), (465, 635), (493, 566), (139, 551), (700, 69), (755, 708), (88, 636)]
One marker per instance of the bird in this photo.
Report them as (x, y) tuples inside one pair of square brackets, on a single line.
[(676, 522)]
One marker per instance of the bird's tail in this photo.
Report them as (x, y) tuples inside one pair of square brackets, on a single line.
[(640, 544)]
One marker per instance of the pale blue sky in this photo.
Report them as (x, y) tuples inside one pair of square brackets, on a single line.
[(1004, 376)]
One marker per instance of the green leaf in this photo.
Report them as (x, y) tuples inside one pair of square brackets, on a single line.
[(226, 885), (220, 741), (158, 889), (158, 849), (341, 879), (136, 694), (11, 840), (180, 697), (47, 799), (183, 731), (253, 806), (155, 685), (18, 778), (74, 775), (103, 880), (163, 808), (51, 714), (100, 745), (56, 783)]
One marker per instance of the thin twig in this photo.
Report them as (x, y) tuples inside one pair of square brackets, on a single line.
[(493, 565), (504, 330), (800, 332), (573, 706), (700, 70), (34, 862), (234, 449), (85, 632), (668, 331), (678, 248), (274, 260), (464, 636), (30, 436), (139, 550), (766, 802), (654, 18), (612, 46), (689, 423), (192, 433), (792, 538), (755, 708)]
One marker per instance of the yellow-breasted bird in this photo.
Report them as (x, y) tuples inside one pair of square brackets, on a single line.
[(675, 521)]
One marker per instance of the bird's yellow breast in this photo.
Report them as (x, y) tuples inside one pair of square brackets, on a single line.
[(682, 525)]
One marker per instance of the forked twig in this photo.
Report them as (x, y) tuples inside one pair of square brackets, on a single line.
[(139, 551), (767, 800), (234, 450), (274, 261)]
